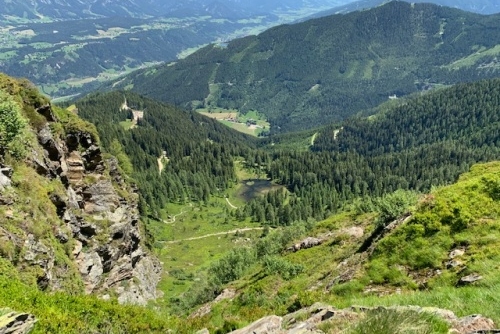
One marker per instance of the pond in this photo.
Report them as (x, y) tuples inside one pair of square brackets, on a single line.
[(252, 188)]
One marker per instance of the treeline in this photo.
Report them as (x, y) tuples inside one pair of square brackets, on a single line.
[(466, 114), (198, 152)]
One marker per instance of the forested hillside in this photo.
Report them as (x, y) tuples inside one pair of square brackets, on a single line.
[(327, 69), (70, 47), (427, 141), (197, 152)]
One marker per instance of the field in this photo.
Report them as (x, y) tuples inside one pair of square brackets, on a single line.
[(476, 58), (191, 236), (251, 123)]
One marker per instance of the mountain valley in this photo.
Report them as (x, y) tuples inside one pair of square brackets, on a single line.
[(70, 47), (338, 175)]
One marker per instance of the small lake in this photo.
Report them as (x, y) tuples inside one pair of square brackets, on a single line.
[(252, 188)]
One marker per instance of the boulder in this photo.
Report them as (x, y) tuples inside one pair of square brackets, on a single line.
[(306, 243), (267, 325), (455, 253), (470, 279), (203, 331), (5, 182), (475, 323), (15, 323)]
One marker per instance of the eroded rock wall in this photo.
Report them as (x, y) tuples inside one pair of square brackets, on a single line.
[(99, 219)]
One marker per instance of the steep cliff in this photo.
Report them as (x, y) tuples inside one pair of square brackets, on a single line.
[(70, 217)]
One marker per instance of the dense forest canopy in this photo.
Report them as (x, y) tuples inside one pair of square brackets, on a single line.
[(426, 141), (198, 151)]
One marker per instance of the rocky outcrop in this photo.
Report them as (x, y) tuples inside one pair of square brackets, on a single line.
[(319, 314), (99, 218), (306, 243), (207, 308), (5, 175), (267, 325), (15, 323)]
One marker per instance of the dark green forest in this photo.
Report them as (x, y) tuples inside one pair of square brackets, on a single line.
[(327, 69), (200, 151), (426, 142), (429, 140)]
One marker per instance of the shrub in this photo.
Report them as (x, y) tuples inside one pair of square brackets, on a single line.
[(284, 268), (233, 265), (394, 205), (13, 127)]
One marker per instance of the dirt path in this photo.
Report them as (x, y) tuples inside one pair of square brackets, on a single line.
[(230, 204), (162, 158), (313, 138), (216, 234), (172, 219), (160, 164)]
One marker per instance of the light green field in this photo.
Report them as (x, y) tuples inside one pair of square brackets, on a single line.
[(214, 233), (475, 58), (7, 55), (127, 125), (193, 235), (240, 125)]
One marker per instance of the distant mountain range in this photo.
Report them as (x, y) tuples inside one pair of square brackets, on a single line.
[(82, 9), (68, 47), (326, 69), (476, 6)]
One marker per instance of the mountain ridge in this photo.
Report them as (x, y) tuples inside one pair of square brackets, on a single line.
[(332, 67), (485, 7)]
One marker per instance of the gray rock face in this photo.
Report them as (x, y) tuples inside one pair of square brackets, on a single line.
[(15, 323), (100, 197), (37, 254), (75, 169), (91, 268), (102, 226), (5, 175)]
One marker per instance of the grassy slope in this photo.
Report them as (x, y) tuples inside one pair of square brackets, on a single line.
[(464, 216), (185, 261)]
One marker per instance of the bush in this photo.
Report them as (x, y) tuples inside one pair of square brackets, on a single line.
[(13, 127), (394, 205), (284, 268), (233, 265)]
